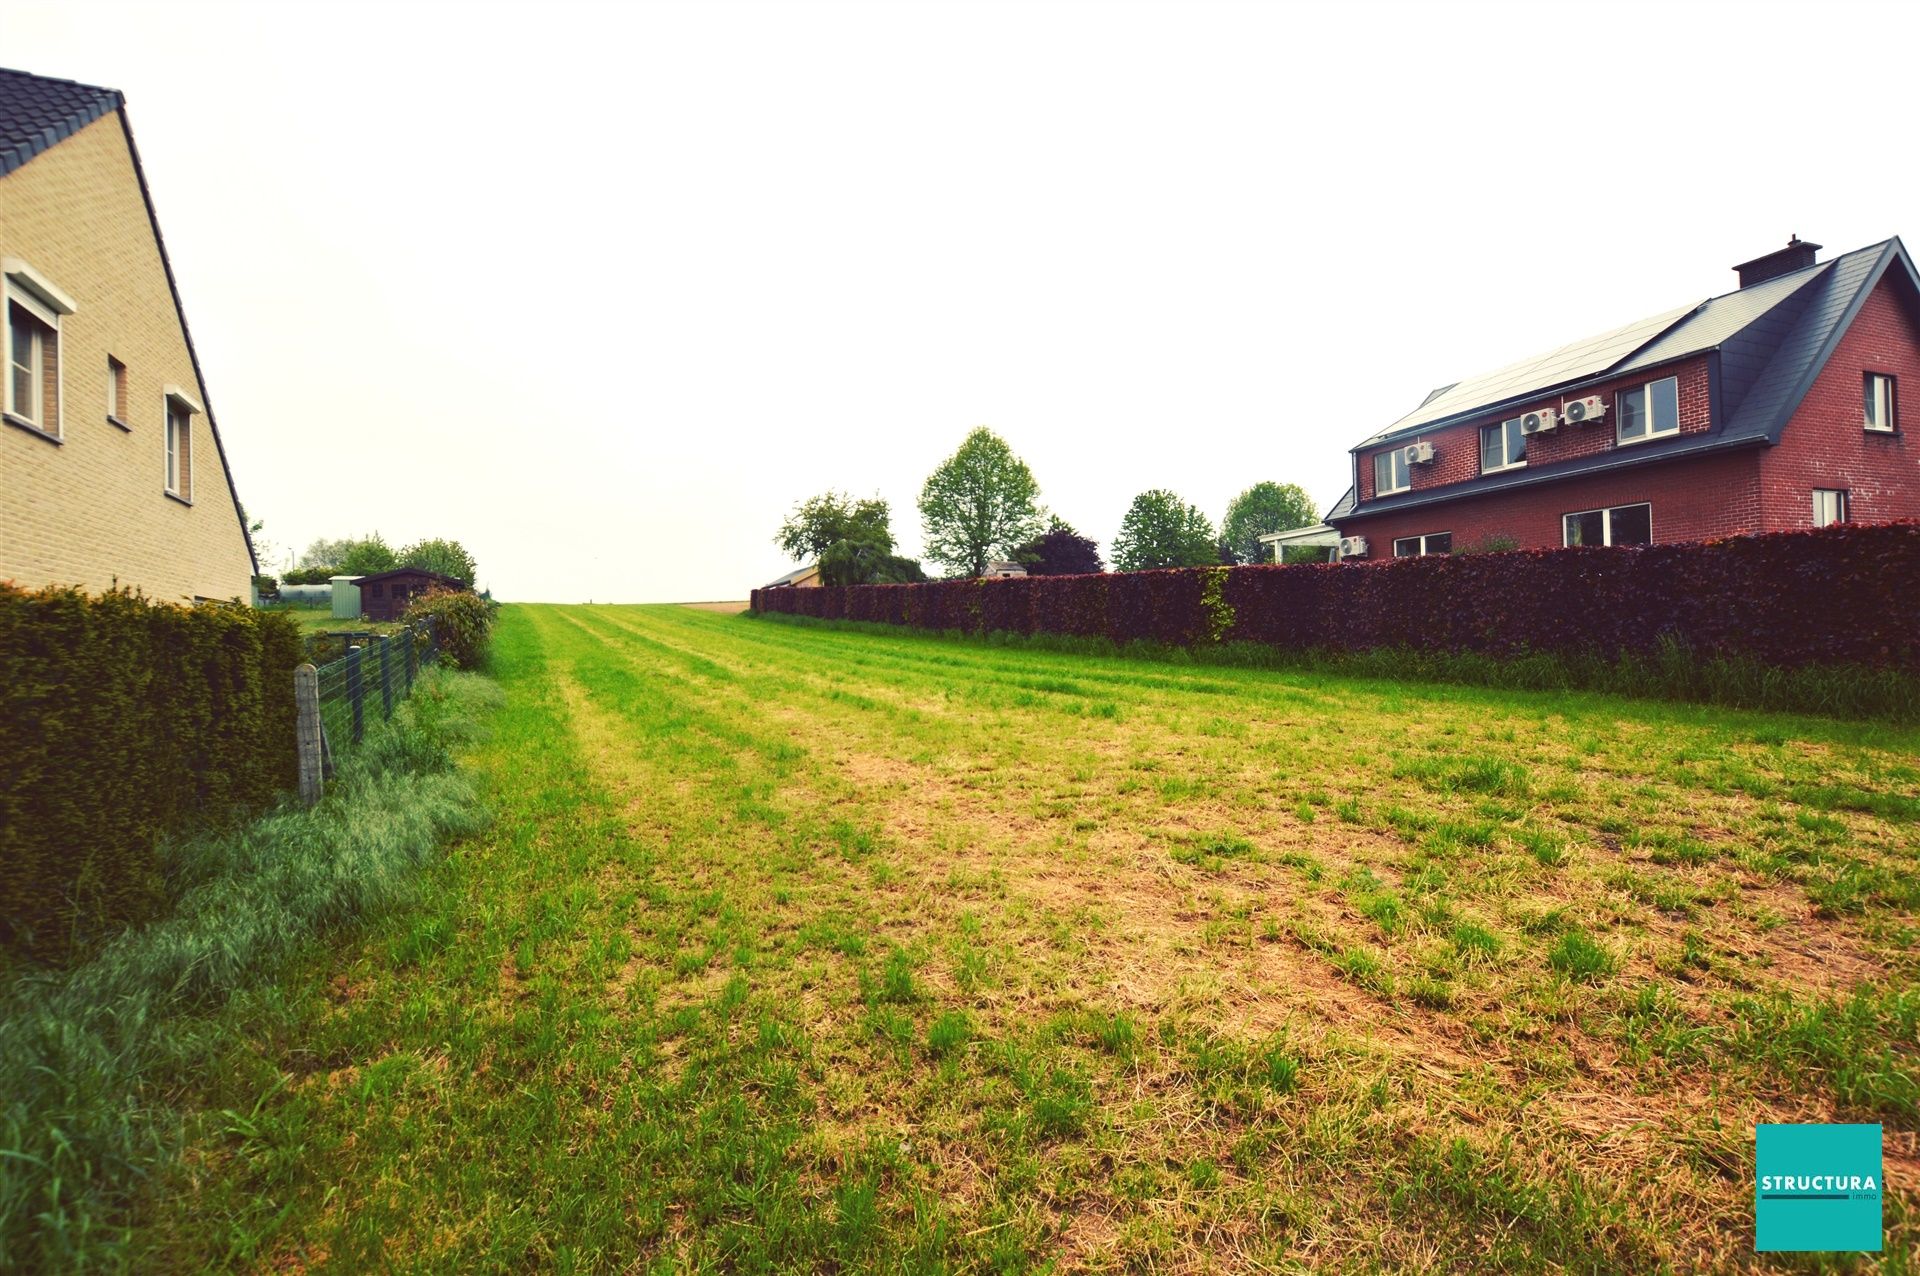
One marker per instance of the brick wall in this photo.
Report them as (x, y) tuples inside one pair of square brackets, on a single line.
[(92, 509), (1825, 445), (1456, 449), (1692, 500)]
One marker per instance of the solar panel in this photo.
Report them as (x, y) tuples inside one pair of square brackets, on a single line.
[(1578, 359)]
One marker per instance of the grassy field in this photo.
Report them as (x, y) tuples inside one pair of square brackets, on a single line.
[(797, 948), (322, 620)]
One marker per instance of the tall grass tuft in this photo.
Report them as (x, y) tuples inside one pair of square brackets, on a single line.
[(88, 1055)]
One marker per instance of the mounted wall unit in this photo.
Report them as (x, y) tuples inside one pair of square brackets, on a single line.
[(1591, 408)]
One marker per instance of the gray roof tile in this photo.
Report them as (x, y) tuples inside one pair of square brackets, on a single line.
[(1773, 338), (38, 112)]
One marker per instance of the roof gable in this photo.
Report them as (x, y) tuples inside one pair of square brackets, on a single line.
[(37, 112), (1773, 339), (1804, 349), (1755, 320)]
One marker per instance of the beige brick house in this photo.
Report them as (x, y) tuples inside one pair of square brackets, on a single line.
[(111, 468)]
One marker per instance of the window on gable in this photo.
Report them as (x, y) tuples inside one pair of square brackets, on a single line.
[(1416, 546), (33, 308), (179, 449), (1391, 473), (1502, 446), (116, 391), (1620, 525), (33, 369), (1880, 402), (1829, 506), (1649, 411)]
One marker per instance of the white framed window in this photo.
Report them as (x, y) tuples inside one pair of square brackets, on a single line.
[(1617, 525), (1829, 505), (116, 392), (1648, 411), (1502, 446), (32, 311), (180, 409), (1880, 402), (1391, 472), (1416, 546)]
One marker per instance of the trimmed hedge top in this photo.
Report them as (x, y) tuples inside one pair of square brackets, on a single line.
[(122, 719), (1846, 594)]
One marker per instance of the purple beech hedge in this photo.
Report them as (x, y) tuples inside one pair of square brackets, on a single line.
[(1846, 594)]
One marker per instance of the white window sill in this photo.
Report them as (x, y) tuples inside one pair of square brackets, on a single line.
[(1391, 491), (20, 422), (1878, 429), (175, 496), (114, 420), (1646, 438), (1502, 469)]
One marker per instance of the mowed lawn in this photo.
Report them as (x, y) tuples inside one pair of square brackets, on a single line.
[(799, 948)]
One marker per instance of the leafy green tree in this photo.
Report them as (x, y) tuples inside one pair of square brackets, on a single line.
[(864, 563), (449, 558), (851, 539), (326, 553), (820, 521), (1161, 530), (1060, 551), (978, 505), (365, 556), (1265, 507)]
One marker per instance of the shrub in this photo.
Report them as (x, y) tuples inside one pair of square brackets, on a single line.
[(462, 623), (310, 575), (267, 589), (122, 719)]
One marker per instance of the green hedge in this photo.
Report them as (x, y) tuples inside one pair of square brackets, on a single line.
[(123, 719)]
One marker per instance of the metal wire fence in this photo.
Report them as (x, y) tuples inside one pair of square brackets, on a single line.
[(361, 688)]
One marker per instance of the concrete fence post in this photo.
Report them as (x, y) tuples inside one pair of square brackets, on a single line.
[(386, 681), (306, 701), (357, 694)]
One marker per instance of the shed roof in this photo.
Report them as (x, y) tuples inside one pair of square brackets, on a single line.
[(391, 572)]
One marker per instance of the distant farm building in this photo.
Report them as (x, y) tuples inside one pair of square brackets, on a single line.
[(807, 577)]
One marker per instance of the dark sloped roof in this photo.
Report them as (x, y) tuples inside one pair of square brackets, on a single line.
[(1658, 339), (1773, 339), (37, 112), (1828, 309), (391, 572)]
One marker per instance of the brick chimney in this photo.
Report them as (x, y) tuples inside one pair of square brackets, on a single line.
[(1797, 255)]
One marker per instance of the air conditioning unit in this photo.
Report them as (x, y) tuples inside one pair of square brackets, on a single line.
[(1419, 453), (1538, 422), (1353, 547), (1591, 408)]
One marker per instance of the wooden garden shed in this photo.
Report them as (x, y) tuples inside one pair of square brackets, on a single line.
[(385, 595)]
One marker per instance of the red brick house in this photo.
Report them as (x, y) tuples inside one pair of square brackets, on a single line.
[(1774, 407)]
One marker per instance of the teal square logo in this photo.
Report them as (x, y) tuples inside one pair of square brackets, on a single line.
[(1816, 1187)]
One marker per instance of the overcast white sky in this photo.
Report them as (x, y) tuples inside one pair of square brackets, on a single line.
[(616, 285)]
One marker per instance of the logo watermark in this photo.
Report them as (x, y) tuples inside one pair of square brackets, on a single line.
[(1817, 1187)]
